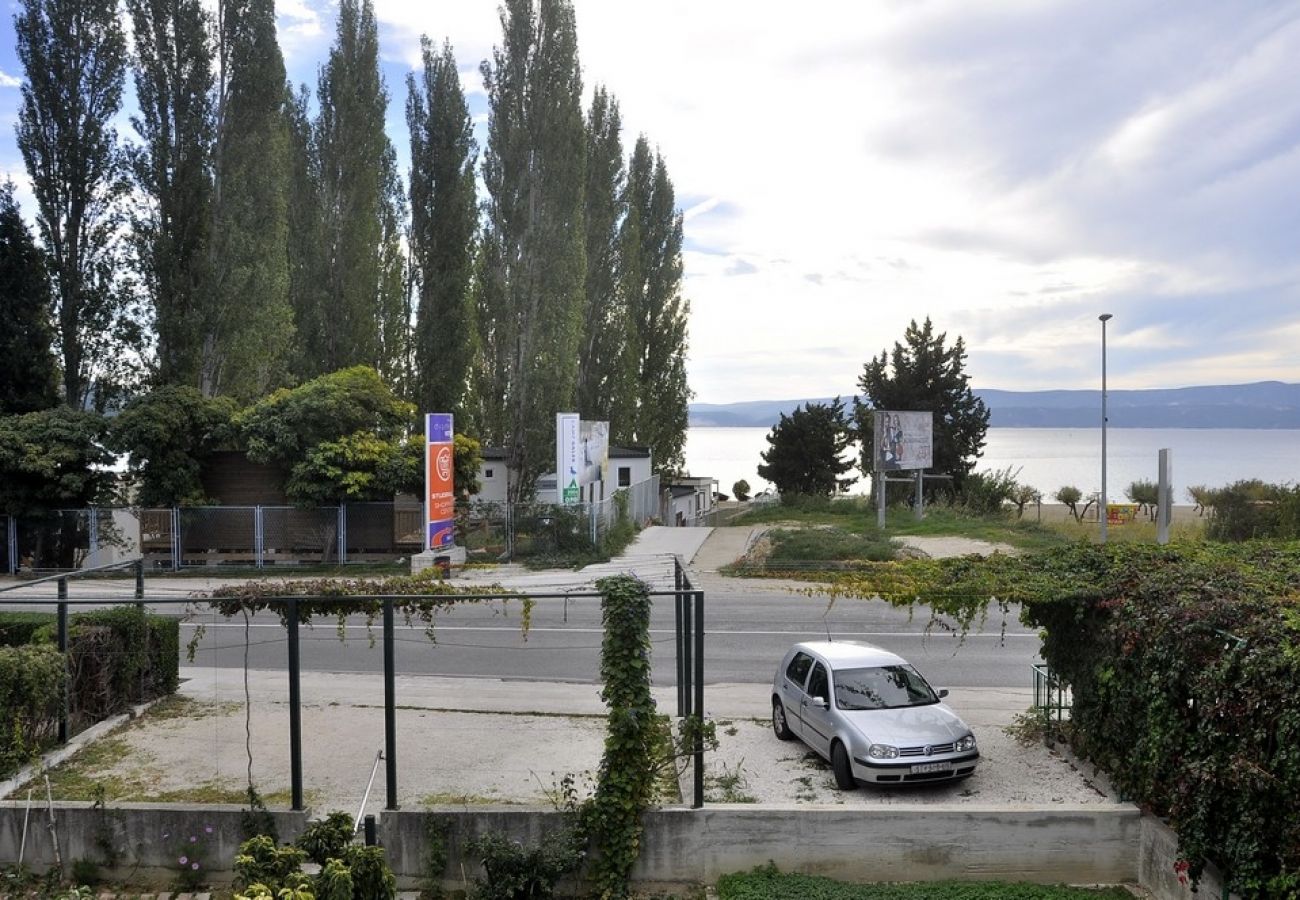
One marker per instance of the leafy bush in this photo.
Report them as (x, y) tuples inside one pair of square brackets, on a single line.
[(19, 628), (1183, 664), (372, 879), (512, 870), (740, 490), (985, 493), (334, 881), (1247, 510), (260, 861), (327, 838), (792, 548), (31, 693)]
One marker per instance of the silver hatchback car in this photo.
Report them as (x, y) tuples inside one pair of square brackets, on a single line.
[(870, 714)]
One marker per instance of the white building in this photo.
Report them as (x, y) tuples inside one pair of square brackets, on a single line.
[(627, 466)]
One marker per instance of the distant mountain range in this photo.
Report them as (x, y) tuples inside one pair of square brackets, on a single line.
[(1264, 404)]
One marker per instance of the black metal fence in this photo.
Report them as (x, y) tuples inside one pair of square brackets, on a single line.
[(689, 645)]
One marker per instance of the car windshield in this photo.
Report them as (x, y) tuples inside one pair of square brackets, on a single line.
[(882, 687)]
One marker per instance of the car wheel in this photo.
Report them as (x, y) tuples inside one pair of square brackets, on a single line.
[(843, 770), (779, 726)]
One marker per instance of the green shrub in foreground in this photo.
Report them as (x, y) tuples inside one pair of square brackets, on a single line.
[(767, 883)]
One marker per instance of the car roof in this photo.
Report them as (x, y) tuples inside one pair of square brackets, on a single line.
[(845, 654)]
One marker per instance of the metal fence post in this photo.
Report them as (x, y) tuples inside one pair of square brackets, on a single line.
[(390, 707), (686, 652), (176, 539), (63, 651), (699, 700), (295, 709), (12, 538), (258, 543), (343, 534), (92, 531), (677, 610)]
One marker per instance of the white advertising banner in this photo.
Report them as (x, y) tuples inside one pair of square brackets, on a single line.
[(903, 440), (595, 452), (568, 457)]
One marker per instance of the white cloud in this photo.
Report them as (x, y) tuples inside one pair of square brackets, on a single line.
[(9, 81)]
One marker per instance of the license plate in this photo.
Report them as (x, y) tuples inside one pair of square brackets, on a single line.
[(931, 767)]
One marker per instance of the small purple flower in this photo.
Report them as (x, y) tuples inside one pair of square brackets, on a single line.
[(194, 866), (183, 860), (193, 839), (207, 829)]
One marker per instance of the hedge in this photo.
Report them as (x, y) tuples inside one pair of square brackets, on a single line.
[(1184, 663), (117, 657), (31, 691)]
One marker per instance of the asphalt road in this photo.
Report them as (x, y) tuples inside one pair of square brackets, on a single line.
[(746, 634)]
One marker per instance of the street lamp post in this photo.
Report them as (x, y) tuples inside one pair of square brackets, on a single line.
[(1101, 509)]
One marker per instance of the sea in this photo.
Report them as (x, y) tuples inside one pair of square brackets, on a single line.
[(1050, 458)]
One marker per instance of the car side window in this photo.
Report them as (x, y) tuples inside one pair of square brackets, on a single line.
[(797, 671), (818, 686)]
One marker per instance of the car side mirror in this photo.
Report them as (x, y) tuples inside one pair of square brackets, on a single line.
[(943, 692), (822, 702)]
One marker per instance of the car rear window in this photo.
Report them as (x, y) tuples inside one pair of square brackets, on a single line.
[(881, 687), (797, 671)]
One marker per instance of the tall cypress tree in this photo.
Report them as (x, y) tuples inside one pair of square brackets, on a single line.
[(306, 251), (247, 335), (74, 55), (602, 373), (355, 162), (444, 217), (172, 168), (534, 172), (28, 374), (657, 311)]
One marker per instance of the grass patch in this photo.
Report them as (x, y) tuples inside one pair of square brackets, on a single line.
[(767, 883), (728, 785), (446, 798)]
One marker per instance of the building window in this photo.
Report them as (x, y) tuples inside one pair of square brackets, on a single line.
[(487, 473), (624, 476)]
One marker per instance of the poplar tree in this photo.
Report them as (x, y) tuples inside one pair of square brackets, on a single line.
[(602, 371), (534, 172), (174, 83), (306, 254), (74, 56), (28, 373), (249, 328), (444, 218), (651, 240), (356, 164)]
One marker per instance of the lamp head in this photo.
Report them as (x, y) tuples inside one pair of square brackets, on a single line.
[(1105, 317)]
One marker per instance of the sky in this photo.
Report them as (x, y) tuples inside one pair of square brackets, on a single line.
[(1011, 169)]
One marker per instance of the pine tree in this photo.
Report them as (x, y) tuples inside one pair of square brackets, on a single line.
[(356, 163), (74, 55), (534, 172), (28, 373), (651, 240), (172, 169), (923, 374), (444, 217), (603, 377), (805, 451), (248, 332)]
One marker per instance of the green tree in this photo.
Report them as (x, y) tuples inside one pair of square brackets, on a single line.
[(656, 414), (306, 249), (247, 337), (925, 375), (603, 377), (74, 55), (167, 433), (805, 453), (282, 427), (533, 170), (172, 170), (357, 169), (28, 372), (53, 459), (741, 490), (444, 217)]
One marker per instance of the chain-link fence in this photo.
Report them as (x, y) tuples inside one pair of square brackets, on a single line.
[(265, 536)]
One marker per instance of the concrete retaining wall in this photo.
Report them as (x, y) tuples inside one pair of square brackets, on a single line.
[(148, 839), (1081, 844), (1159, 854)]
